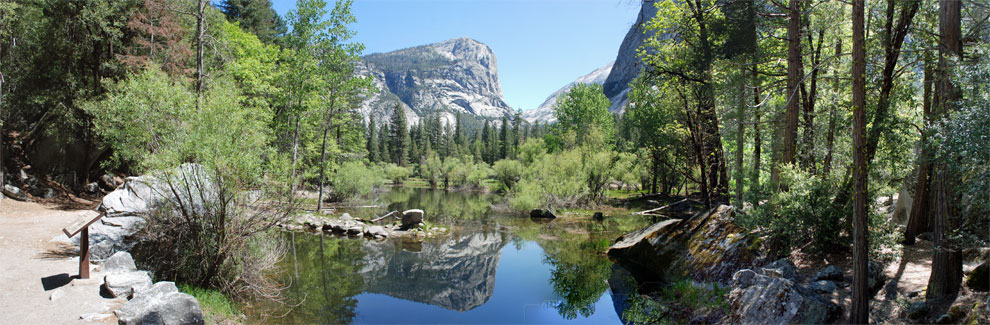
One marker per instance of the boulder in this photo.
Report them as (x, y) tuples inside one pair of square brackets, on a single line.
[(781, 268), (126, 283), (91, 188), (107, 182), (830, 273), (47, 193), (139, 195), (917, 310), (375, 231), (979, 278), (355, 230), (119, 262), (823, 286), (411, 218), (14, 193), (759, 299), (875, 277), (161, 304), (707, 247)]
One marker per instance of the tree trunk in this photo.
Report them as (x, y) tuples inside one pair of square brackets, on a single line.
[(199, 53), (323, 157), (946, 276), (830, 138), (794, 75), (918, 221), (740, 137), (295, 156), (757, 137), (808, 139), (860, 300)]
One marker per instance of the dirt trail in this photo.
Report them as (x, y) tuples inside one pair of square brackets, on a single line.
[(37, 273)]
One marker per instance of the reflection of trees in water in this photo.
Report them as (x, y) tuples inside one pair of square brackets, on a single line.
[(580, 269), (326, 281), (439, 205)]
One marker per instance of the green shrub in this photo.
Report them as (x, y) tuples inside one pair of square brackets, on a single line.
[(353, 179), (217, 307), (397, 174), (431, 170), (803, 214), (507, 172)]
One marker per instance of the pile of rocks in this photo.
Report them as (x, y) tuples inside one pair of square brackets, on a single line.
[(772, 295), (411, 224), (148, 303)]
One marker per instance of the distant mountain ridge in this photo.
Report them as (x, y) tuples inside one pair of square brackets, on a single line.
[(456, 75), (544, 112)]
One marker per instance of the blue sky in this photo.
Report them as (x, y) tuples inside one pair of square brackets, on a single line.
[(540, 45)]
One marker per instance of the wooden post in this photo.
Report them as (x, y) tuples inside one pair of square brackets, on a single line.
[(84, 254)]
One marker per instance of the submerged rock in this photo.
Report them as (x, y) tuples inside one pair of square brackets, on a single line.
[(759, 299), (541, 214), (707, 247)]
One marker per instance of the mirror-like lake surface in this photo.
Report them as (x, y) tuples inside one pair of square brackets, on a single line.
[(489, 268)]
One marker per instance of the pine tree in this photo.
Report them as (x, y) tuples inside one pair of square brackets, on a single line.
[(373, 146), (516, 135), (400, 136), (255, 16), (486, 146), (506, 142)]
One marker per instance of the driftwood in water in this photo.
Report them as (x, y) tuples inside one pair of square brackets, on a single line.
[(384, 216)]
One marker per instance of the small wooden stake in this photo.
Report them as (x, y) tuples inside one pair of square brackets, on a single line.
[(84, 254)]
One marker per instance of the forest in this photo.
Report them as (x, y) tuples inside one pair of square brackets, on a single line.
[(803, 114)]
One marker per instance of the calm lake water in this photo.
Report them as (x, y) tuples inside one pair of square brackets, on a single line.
[(490, 268)]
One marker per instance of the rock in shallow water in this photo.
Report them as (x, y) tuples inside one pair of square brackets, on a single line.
[(411, 218)]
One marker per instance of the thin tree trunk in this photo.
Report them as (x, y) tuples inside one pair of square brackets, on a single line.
[(199, 54), (860, 300), (295, 155), (323, 157), (740, 137), (830, 138), (757, 137), (946, 276), (808, 141), (918, 221)]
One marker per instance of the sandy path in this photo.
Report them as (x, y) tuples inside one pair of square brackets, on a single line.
[(37, 274)]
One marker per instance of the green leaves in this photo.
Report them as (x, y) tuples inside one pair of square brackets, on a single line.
[(579, 109)]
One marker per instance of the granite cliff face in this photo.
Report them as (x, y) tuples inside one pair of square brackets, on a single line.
[(544, 113), (627, 65), (457, 75)]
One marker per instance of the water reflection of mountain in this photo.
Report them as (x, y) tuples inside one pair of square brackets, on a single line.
[(456, 274)]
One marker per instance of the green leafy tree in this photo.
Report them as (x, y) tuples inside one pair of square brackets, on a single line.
[(580, 108)]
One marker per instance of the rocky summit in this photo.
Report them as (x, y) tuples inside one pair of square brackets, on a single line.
[(457, 75)]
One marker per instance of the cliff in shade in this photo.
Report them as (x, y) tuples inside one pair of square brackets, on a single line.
[(614, 77), (627, 65), (457, 75)]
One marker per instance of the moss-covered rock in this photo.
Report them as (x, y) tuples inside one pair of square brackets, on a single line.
[(708, 246)]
